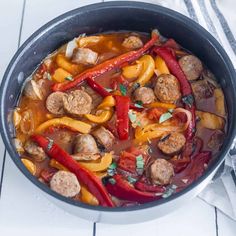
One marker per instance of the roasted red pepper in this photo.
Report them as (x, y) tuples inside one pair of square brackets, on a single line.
[(97, 87), (114, 63), (188, 99), (171, 43), (91, 181), (119, 187), (122, 120), (144, 186)]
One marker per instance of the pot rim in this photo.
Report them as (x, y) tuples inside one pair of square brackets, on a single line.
[(187, 22)]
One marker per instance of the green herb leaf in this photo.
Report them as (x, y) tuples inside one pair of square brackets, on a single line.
[(138, 104), (139, 162), (109, 90), (170, 110), (112, 166), (188, 100), (69, 78), (112, 169), (112, 181), (132, 116), (49, 77), (164, 117), (169, 190), (123, 90), (131, 179)]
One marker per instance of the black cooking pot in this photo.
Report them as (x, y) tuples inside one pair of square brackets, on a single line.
[(114, 16)]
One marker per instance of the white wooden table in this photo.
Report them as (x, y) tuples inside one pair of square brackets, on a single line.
[(23, 208)]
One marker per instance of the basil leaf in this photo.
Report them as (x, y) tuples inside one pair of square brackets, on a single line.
[(138, 104), (109, 90), (188, 100), (112, 181), (49, 77), (123, 90), (169, 190), (132, 116), (131, 179), (69, 78), (164, 117)]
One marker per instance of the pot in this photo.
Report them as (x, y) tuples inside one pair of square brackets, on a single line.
[(114, 16)]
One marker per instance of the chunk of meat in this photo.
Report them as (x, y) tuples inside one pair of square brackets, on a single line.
[(191, 66), (85, 143), (202, 89), (54, 103), (96, 98), (34, 89), (216, 140), (161, 172), (77, 103), (36, 152), (86, 156), (132, 42), (85, 56), (104, 137), (167, 88), (145, 95), (65, 183), (171, 143)]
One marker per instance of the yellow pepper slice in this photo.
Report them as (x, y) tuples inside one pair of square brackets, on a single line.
[(148, 66), (106, 160), (161, 104), (107, 102), (161, 66), (77, 125), (60, 75), (87, 197), (104, 116), (133, 71), (29, 165), (66, 65), (57, 165)]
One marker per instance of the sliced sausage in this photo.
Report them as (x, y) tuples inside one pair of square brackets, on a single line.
[(85, 143), (96, 98), (167, 88), (54, 103), (132, 42), (144, 94), (85, 56), (35, 151), (77, 102), (161, 172), (171, 143), (104, 137), (191, 66), (34, 89), (65, 183), (202, 89)]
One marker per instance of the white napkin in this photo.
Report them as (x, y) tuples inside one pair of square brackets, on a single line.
[(219, 18)]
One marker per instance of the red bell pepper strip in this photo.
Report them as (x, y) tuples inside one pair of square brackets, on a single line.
[(122, 120), (92, 182), (143, 186), (97, 87), (175, 69), (114, 63), (121, 188)]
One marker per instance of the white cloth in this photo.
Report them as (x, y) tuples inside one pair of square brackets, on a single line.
[(219, 18)]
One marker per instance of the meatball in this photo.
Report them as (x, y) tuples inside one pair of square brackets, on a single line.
[(171, 143), (161, 172), (132, 42), (65, 183), (85, 56), (104, 137), (202, 89), (144, 94), (167, 88), (85, 143), (35, 151), (191, 66), (54, 103), (77, 103), (34, 89)]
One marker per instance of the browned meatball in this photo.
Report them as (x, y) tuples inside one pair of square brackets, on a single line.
[(54, 103), (65, 183), (202, 89), (104, 137), (161, 172), (171, 143), (167, 88), (85, 56), (144, 94), (85, 143), (191, 66), (132, 42), (77, 103), (35, 151)]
